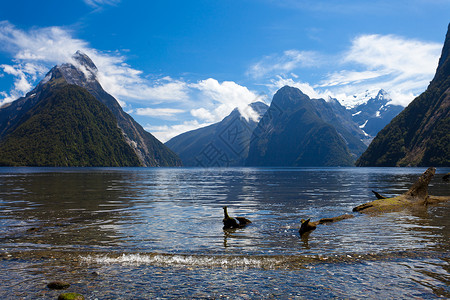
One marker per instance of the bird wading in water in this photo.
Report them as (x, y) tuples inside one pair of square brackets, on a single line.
[(232, 223)]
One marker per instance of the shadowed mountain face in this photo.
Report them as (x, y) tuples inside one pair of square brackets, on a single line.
[(420, 134), (222, 144), (82, 73), (291, 133), (333, 113)]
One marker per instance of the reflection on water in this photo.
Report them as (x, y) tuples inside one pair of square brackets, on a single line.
[(147, 220)]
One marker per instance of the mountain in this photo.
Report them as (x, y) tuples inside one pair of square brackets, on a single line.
[(420, 134), (222, 144), (72, 90), (67, 127), (374, 114), (333, 113), (291, 133)]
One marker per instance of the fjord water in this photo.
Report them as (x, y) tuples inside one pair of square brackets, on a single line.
[(145, 233)]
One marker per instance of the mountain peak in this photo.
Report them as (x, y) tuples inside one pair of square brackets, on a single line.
[(289, 90), (289, 96), (383, 96), (84, 60), (444, 61), (80, 71)]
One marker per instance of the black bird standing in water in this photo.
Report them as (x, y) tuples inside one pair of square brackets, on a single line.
[(232, 223)]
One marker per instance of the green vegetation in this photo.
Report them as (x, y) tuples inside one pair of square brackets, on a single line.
[(70, 296), (67, 127)]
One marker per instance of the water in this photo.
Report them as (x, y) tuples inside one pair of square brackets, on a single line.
[(146, 233)]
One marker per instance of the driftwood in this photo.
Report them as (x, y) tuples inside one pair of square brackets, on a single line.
[(416, 196), (308, 226)]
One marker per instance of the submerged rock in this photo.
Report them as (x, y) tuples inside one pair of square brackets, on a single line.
[(58, 285), (446, 177), (416, 196)]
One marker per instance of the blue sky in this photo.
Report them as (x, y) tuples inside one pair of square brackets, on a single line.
[(178, 65)]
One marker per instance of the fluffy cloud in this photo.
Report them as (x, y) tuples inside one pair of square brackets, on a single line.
[(37, 50), (165, 132), (221, 98), (404, 67), (306, 88), (401, 66), (158, 112), (288, 61)]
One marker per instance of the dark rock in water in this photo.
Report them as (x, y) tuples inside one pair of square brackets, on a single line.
[(446, 177), (308, 226), (70, 296), (233, 223), (58, 285)]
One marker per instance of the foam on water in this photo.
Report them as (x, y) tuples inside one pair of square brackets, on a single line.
[(188, 260), (275, 262)]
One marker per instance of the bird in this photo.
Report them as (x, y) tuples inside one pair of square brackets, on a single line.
[(232, 223), (307, 226)]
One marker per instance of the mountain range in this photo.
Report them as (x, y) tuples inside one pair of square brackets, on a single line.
[(223, 144), (420, 134), (68, 119), (294, 131)]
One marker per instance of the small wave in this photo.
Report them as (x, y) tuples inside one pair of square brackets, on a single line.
[(243, 261), (189, 260)]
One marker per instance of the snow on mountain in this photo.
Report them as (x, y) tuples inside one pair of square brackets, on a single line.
[(375, 112), (355, 100)]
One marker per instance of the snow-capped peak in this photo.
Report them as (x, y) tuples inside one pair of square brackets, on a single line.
[(80, 70)]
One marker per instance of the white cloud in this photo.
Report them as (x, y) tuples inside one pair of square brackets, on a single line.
[(306, 88), (221, 98), (37, 50), (203, 114), (403, 67), (393, 54), (346, 77), (165, 133), (288, 61), (98, 3), (158, 112)]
